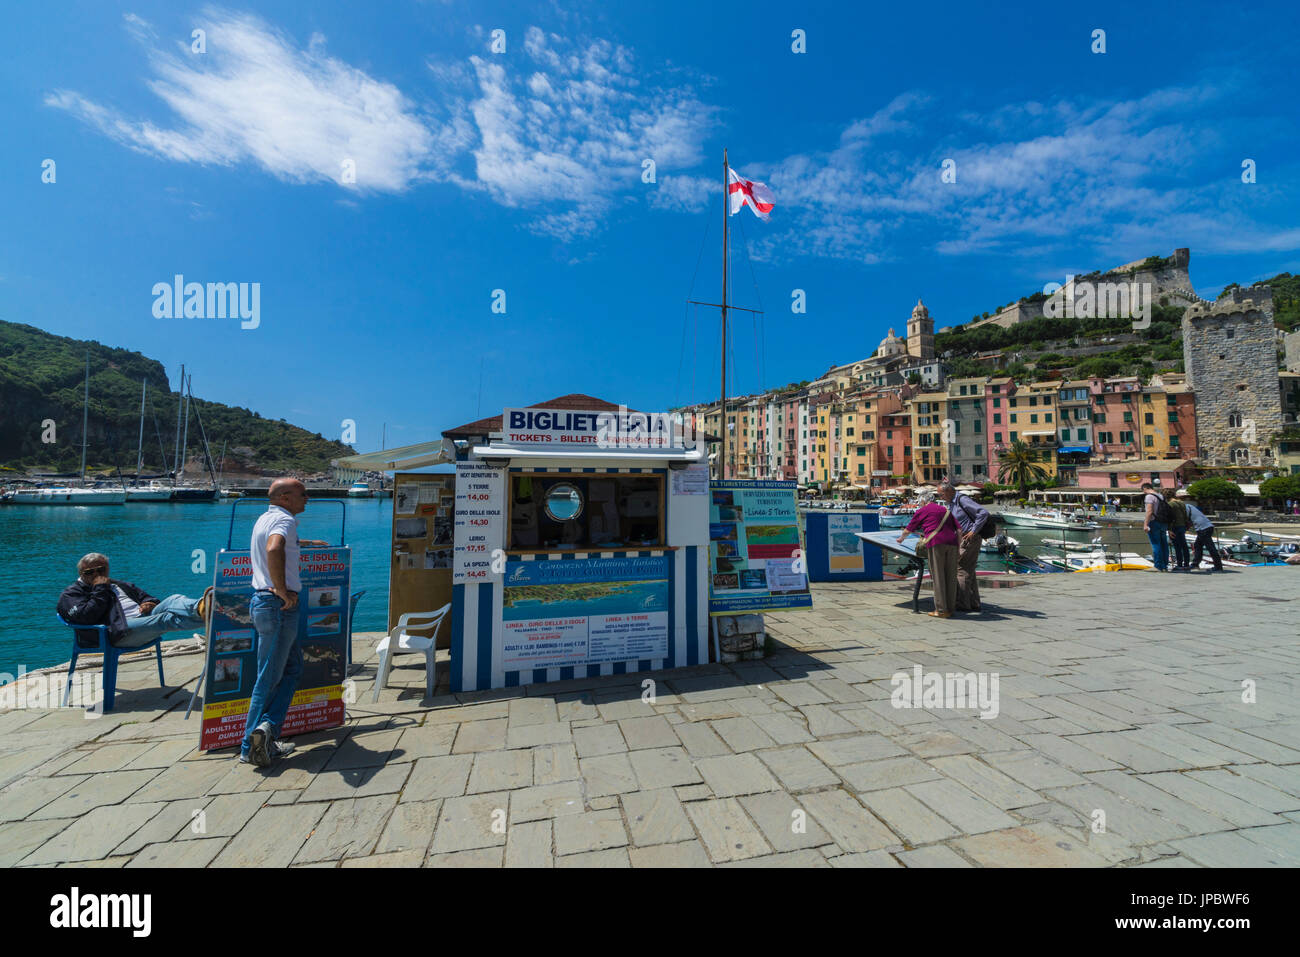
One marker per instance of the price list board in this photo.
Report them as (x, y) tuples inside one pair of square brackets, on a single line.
[(423, 545), (480, 521)]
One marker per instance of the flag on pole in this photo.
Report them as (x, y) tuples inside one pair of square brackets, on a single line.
[(745, 192)]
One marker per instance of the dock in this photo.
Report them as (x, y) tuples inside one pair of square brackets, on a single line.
[(1142, 721)]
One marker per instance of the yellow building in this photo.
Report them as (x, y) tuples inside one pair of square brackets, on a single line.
[(929, 458), (1032, 418)]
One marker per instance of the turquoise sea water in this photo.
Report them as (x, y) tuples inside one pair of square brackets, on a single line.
[(152, 545)]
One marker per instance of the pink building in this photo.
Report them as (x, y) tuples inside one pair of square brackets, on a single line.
[(1129, 476)]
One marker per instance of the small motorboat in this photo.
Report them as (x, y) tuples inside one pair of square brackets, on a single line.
[(999, 544), (1072, 546), (360, 490)]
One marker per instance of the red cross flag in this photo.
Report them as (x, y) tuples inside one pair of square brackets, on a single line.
[(745, 192)]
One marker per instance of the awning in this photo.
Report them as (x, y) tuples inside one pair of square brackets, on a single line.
[(649, 455), (1248, 489), (405, 457), (1074, 448)]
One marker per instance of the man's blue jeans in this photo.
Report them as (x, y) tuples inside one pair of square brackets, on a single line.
[(1159, 539), (174, 613), (279, 663)]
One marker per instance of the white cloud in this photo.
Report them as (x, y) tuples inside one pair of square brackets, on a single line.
[(561, 129), (574, 127), (255, 97), (1121, 177)]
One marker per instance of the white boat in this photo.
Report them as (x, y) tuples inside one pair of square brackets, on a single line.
[(360, 490), (66, 495), (1270, 536), (153, 492), (1098, 561), (1071, 546), (998, 544), (895, 518), (1049, 518)]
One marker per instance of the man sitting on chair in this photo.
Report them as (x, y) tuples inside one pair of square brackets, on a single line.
[(134, 618)]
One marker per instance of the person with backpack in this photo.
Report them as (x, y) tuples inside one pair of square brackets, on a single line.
[(1156, 524), (1178, 531), (938, 532), (976, 524)]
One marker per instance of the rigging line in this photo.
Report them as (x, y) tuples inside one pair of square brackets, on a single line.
[(695, 348), (760, 338), (161, 448), (681, 358), (698, 259), (744, 241)]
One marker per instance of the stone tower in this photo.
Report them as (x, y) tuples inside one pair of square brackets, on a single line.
[(920, 333), (1230, 355)]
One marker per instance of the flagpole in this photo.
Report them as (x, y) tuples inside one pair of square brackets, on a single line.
[(726, 200)]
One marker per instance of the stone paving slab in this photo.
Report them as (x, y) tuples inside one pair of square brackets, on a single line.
[(1107, 702)]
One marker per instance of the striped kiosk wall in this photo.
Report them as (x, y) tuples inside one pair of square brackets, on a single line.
[(477, 632)]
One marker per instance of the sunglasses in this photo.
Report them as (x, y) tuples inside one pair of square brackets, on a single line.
[(97, 568)]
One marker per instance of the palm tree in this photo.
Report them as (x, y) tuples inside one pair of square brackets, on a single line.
[(1017, 464)]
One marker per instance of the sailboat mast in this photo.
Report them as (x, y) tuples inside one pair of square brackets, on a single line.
[(176, 453), (139, 454), (726, 200), (85, 419), (185, 440)]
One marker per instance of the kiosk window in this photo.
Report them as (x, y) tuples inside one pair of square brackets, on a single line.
[(550, 510), (563, 502)]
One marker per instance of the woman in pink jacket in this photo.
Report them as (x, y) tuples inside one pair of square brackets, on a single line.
[(938, 531)]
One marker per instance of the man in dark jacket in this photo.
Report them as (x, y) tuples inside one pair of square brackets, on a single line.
[(134, 618), (971, 519)]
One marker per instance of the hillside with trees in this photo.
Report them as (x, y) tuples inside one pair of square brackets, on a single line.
[(42, 378)]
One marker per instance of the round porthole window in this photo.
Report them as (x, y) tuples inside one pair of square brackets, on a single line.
[(563, 502)]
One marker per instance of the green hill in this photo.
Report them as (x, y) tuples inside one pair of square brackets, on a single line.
[(1079, 348), (42, 377)]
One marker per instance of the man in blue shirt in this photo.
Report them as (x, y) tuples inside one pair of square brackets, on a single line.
[(971, 518), (1204, 536)]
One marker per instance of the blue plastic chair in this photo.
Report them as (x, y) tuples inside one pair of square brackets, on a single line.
[(352, 612), (110, 652)]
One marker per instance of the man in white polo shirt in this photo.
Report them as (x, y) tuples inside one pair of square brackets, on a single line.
[(274, 609)]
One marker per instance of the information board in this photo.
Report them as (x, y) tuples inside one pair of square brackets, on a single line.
[(480, 520), (843, 547), (584, 611), (836, 552), (755, 562), (323, 629), (420, 564)]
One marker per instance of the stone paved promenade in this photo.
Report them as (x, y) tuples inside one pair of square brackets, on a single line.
[(1120, 695)]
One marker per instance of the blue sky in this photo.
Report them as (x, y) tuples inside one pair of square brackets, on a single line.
[(522, 171)]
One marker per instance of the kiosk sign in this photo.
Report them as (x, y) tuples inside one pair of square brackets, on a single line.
[(576, 429), (584, 611), (323, 630), (753, 545)]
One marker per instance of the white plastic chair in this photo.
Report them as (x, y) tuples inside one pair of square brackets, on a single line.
[(400, 639)]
